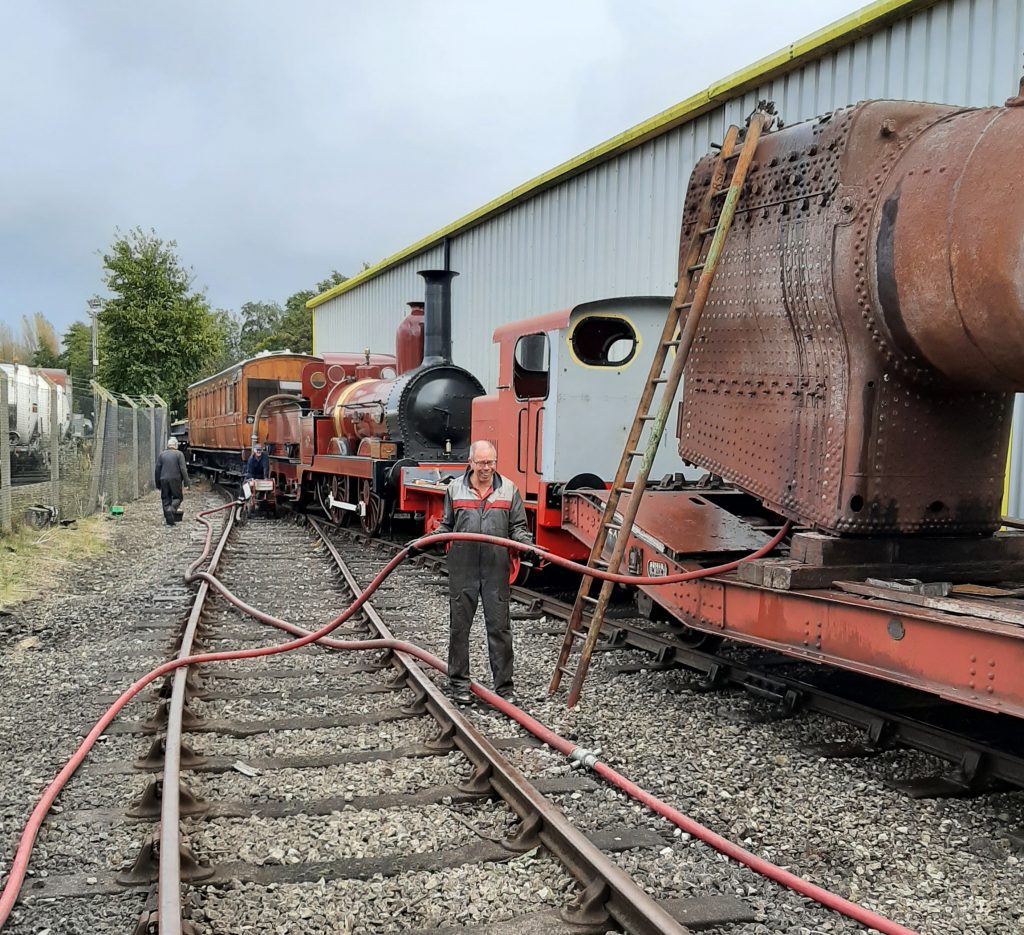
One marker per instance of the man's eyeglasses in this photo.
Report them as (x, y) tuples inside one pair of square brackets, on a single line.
[(485, 463)]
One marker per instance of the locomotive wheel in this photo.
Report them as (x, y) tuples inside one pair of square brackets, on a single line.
[(339, 490), (373, 513)]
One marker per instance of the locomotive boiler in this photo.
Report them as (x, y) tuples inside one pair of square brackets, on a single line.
[(856, 361), (853, 371), (366, 426), (424, 410)]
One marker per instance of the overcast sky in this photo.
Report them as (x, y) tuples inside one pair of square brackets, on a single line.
[(275, 142)]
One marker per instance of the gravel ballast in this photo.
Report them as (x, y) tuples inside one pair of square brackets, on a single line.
[(937, 866)]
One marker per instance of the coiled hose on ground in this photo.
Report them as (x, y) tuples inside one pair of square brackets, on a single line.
[(576, 753)]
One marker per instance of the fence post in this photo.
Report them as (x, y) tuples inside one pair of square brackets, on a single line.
[(151, 451), (54, 446), (5, 457), (99, 446), (135, 445)]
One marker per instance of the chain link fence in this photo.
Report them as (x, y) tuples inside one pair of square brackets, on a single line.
[(68, 451)]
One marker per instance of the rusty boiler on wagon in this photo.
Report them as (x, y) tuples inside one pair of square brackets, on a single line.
[(854, 371), (856, 362)]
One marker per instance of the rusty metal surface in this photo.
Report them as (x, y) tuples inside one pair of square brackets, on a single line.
[(961, 657), (856, 362), (683, 523)]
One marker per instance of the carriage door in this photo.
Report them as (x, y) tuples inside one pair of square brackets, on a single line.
[(530, 380)]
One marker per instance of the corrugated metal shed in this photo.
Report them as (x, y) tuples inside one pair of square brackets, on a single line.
[(607, 223)]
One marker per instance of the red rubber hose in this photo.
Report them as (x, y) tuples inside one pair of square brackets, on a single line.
[(425, 542), (19, 866)]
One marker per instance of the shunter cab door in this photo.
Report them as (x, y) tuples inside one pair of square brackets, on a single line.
[(531, 365)]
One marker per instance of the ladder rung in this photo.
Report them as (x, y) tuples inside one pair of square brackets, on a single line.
[(579, 634), (566, 670), (721, 191), (708, 230), (635, 454), (623, 490), (611, 524), (589, 599), (673, 343), (648, 418), (695, 267)]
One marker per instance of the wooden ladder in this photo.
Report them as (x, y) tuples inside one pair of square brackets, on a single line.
[(680, 329)]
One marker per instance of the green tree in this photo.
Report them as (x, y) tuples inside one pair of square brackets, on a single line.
[(294, 331), (260, 321), (228, 329), (156, 333), (44, 356), (76, 358)]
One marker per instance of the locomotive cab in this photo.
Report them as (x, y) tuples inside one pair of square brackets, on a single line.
[(567, 389)]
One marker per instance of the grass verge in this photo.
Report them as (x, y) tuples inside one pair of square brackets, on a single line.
[(33, 561)]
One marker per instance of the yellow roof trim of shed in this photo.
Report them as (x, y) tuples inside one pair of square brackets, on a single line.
[(866, 20)]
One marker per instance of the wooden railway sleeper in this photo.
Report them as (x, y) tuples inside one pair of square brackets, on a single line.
[(479, 783), (526, 835), (154, 758), (146, 868), (189, 719), (149, 924), (444, 742), (147, 805), (589, 909)]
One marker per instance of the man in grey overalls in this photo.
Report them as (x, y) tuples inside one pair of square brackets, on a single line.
[(481, 501), (170, 474)]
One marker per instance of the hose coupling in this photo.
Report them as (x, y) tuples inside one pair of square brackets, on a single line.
[(583, 757)]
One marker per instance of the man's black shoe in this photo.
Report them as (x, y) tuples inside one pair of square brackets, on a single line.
[(462, 697)]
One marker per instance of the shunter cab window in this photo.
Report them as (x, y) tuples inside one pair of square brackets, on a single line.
[(530, 367), (604, 342)]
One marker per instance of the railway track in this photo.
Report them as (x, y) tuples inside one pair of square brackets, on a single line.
[(983, 752), (329, 791)]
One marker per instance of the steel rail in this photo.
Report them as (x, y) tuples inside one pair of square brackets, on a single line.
[(623, 899), (979, 761), (169, 875)]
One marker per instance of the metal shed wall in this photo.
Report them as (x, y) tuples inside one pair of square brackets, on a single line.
[(613, 229)]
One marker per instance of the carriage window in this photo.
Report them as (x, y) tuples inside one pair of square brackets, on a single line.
[(231, 397), (530, 366), (604, 342), (259, 390)]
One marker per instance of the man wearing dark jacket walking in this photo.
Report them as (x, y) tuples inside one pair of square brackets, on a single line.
[(481, 501), (170, 474)]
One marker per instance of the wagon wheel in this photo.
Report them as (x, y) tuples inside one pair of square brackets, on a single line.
[(373, 509), (518, 571)]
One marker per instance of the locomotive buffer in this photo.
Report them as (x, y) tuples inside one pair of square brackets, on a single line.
[(692, 289)]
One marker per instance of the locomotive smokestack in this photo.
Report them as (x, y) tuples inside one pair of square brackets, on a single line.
[(437, 324)]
